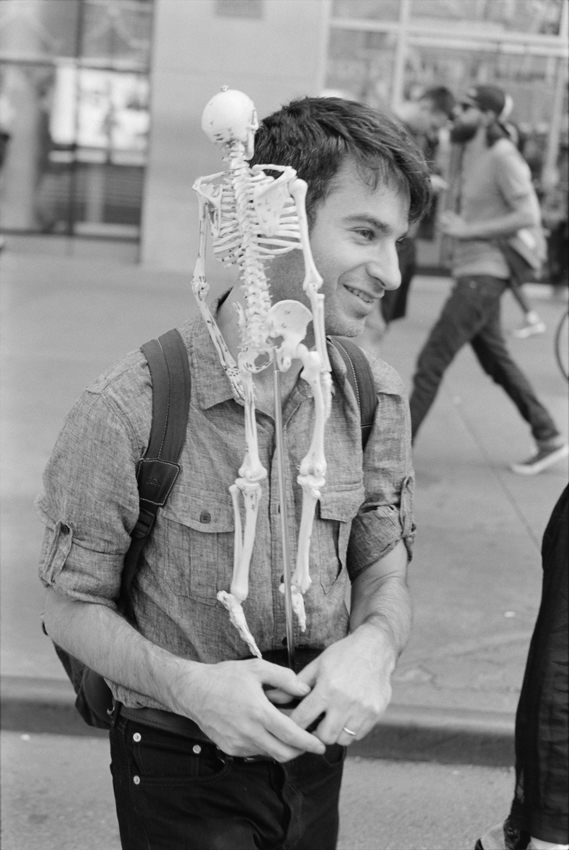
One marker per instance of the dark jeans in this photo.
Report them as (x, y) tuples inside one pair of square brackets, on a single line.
[(542, 720), (472, 315), (173, 793)]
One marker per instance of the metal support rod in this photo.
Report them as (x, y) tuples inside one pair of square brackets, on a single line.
[(287, 572)]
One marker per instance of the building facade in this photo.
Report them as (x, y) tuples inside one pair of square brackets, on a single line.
[(101, 100)]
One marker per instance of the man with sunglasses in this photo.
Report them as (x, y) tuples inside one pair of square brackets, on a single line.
[(496, 202)]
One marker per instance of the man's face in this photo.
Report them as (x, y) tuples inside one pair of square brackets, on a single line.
[(467, 120), (430, 119), (354, 245)]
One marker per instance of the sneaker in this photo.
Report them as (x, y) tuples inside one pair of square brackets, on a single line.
[(536, 844), (544, 458), (529, 329), (502, 837)]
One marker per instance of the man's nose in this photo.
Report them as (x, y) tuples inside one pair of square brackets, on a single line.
[(384, 267)]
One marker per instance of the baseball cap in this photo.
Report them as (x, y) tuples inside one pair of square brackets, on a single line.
[(488, 99)]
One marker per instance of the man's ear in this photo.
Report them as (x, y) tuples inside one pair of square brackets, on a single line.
[(489, 118)]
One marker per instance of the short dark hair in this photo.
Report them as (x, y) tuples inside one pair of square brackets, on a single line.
[(315, 135), (441, 99)]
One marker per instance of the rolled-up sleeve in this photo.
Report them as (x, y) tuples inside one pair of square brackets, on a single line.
[(386, 517), (89, 502)]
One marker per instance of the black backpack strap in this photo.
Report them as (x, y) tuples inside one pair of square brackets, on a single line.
[(158, 470), (360, 377)]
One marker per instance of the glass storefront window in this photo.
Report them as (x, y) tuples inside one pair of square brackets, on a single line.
[(529, 79), (374, 10), (34, 29), (360, 65), (117, 31), (529, 16), (385, 52), (74, 115)]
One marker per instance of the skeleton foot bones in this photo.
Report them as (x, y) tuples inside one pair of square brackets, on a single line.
[(253, 218)]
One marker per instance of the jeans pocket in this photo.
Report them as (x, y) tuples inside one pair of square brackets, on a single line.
[(160, 758), (334, 755)]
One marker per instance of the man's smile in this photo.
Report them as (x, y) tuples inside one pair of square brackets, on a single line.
[(364, 296)]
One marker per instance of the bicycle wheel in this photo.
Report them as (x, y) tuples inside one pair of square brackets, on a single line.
[(561, 345)]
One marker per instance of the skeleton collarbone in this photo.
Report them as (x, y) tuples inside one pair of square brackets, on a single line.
[(268, 204)]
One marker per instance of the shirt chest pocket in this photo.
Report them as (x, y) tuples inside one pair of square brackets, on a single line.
[(199, 541), (336, 510)]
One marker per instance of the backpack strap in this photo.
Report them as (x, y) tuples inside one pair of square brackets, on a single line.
[(158, 470), (360, 377)]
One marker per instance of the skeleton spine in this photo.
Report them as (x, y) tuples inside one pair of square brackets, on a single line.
[(255, 287)]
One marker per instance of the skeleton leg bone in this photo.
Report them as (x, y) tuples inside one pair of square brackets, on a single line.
[(250, 473), (288, 320)]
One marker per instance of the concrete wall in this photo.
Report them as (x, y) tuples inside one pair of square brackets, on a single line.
[(195, 52)]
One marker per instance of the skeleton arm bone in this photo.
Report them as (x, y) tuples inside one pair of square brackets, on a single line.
[(312, 468), (200, 289), (311, 284)]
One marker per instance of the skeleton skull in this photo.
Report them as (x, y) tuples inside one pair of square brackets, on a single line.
[(231, 115)]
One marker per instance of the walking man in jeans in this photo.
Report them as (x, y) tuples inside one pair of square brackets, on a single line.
[(497, 200)]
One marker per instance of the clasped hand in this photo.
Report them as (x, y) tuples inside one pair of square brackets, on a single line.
[(229, 702), (236, 702), (349, 690)]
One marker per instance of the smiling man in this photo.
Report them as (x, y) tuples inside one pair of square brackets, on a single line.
[(239, 772)]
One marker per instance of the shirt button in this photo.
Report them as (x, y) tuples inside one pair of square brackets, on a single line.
[(137, 737), (64, 529), (136, 780), (205, 516), (197, 749)]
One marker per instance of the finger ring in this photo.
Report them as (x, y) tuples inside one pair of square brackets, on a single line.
[(347, 731)]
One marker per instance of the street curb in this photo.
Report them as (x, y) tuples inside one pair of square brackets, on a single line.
[(412, 733)]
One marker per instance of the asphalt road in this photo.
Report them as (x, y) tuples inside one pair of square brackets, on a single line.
[(57, 796)]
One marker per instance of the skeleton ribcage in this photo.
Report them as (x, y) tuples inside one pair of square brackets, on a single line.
[(227, 239)]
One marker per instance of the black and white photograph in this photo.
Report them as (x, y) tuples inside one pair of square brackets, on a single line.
[(284, 452)]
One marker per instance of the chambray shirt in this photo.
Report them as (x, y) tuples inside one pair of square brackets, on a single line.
[(90, 504)]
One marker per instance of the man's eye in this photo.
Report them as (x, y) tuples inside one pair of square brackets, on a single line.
[(365, 233)]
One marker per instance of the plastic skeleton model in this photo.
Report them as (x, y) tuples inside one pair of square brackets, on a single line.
[(253, 218)]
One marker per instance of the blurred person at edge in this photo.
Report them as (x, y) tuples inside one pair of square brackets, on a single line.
[(497, 200), (538, 818), (423, 117)]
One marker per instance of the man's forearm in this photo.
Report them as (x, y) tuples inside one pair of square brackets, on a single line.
[(381, 603), (502, 226), (227, 700), (108, 644)]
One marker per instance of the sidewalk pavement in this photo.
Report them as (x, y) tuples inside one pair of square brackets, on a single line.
[(476, 573)]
